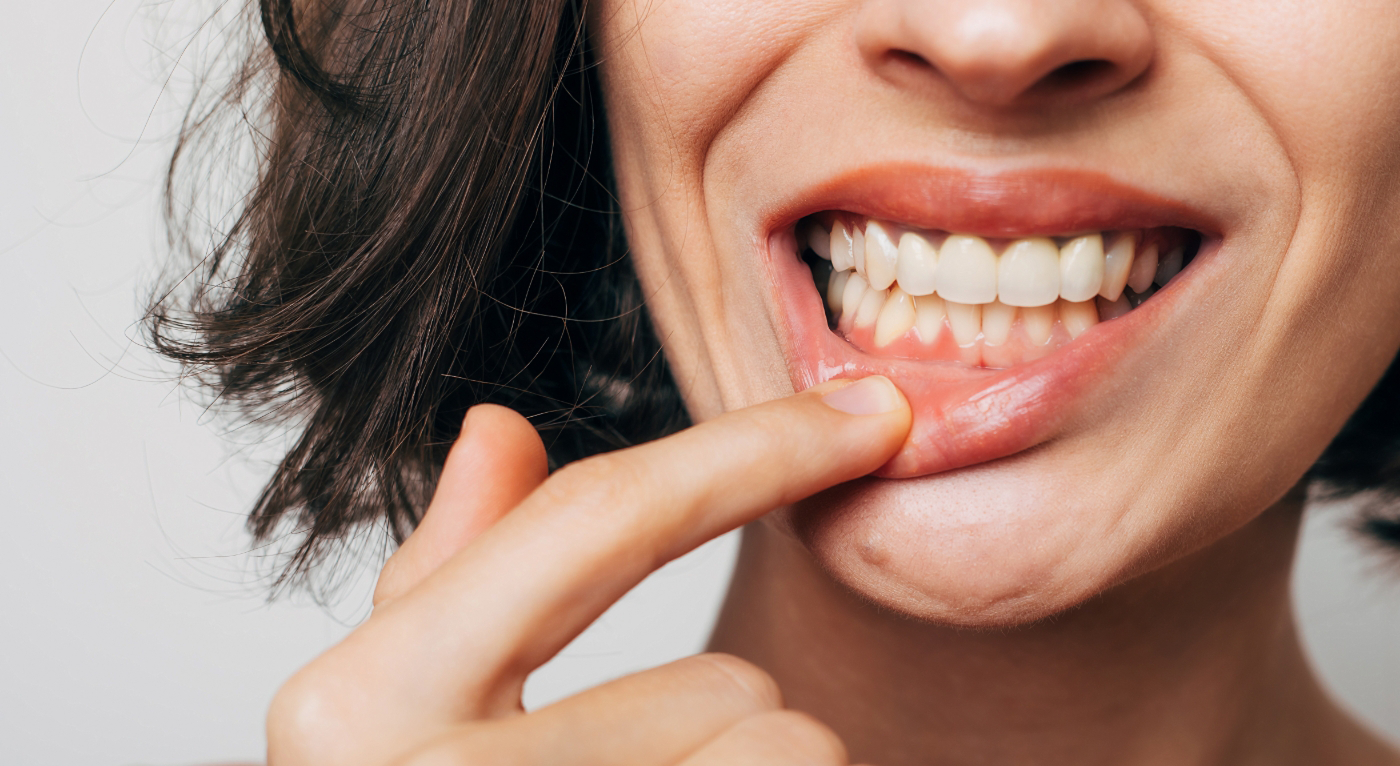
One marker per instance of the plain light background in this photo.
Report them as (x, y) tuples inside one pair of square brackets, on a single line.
[(135, 628)]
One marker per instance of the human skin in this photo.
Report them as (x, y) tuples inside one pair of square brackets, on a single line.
[(1278, 127), (1099, 578), (508, 566), (1281, 128)]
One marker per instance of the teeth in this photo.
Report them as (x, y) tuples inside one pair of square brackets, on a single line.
[(851, 297), (1078, 316), (858, 250), (1118, 261), (1136, 299), (818, 239), (1169, 266), (1144, 269), (892, 286), (917, 263), (1113, 309), (997, 318), (896, 317), (841, 247), (1038, 322), (967, 271), (929, 312), (965, 320), (1028, 273), (881, 256), (870, 306), (835, 289), (1081, 268)]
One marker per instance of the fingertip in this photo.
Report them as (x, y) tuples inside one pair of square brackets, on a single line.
[(872, 413), (497, 460), (494, 434), (872, 395)]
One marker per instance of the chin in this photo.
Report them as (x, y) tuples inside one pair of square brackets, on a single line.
[(978, 547)]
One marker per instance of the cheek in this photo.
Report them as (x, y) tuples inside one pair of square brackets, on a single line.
[(1325, 80), (1326, 75), (675, 73), (682, 68)]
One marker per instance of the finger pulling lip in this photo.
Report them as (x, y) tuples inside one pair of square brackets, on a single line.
[(964, 415)]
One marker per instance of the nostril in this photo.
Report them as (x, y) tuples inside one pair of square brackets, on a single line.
[(910, 59), (1079, 74), (1006, 53), (1082, 76)]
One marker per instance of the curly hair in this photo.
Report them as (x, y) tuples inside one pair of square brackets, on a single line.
[(432, 225)]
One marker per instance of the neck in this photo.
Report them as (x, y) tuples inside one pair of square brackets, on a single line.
[(1195, 664)]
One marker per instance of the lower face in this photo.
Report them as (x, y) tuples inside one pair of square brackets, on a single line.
[(1128, 314)]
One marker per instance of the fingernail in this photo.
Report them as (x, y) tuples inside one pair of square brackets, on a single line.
[(868, 396)]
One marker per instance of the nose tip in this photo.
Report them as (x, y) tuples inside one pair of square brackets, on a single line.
[(1005, 52)]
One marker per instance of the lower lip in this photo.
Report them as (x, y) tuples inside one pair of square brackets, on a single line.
[(962, 415)]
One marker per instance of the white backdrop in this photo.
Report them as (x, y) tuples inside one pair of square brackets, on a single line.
[(135, 630)]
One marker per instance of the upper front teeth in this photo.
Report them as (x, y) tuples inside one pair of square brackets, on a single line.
[(1029, 273), (965, 270), (1032, 271)]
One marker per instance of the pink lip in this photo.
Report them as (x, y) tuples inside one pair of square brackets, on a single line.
[(965, 415)]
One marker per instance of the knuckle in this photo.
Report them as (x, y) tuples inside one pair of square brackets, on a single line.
[(741, 678), (601, 480), (805, 738), (614, 487), (307, 720)]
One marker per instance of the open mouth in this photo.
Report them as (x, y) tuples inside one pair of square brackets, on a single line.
[(1004, 306), (896, 291)]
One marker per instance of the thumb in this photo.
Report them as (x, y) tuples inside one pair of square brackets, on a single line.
[(497, 460)]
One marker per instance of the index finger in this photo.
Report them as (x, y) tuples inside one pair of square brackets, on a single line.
[(527, 586)]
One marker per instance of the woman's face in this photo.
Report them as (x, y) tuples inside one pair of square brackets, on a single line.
[(1005, 152)]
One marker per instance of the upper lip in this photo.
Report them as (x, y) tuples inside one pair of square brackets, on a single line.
[(1043, 201)]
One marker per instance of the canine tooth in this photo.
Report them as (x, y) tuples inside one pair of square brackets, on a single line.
[(1028, 273), (1169, 266), (818, 239), (1078, 316), (858, 250), (997, 318), (881, 256), (1038, 322), (1113, 309), (1118, 261), (1081, 268), (870, 306), (852, 296), (967, 271), (929, 317), (1144, 269), (965, 319), (835, 289), (896, 317), (841, 245), (918, 262)]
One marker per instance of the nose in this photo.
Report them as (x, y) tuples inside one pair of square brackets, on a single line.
[(1008, 52)]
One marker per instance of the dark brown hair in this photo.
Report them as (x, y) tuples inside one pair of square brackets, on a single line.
[(431, 226)]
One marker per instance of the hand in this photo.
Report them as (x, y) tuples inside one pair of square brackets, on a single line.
[(508, 566)]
